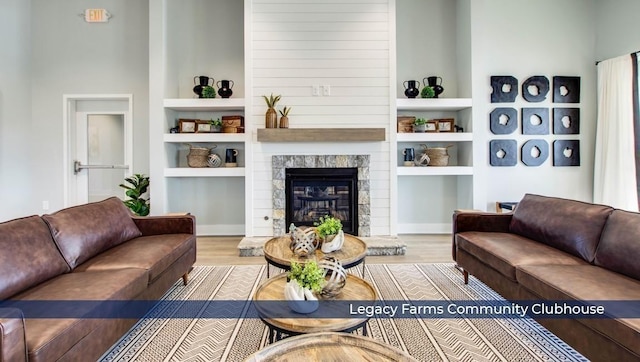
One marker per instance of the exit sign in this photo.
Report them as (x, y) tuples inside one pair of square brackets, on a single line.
[(96, 15)]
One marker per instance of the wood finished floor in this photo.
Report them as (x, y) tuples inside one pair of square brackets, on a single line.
[(223, 250)]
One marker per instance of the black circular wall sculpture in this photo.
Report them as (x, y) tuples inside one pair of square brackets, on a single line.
[(503, 120), (537, 81), (534, 152)]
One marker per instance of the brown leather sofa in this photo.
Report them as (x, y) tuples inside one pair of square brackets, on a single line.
[(556, 249), (92, 252)]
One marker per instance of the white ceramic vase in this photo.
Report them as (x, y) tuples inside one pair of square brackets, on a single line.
[(300, 300), (335, 244)]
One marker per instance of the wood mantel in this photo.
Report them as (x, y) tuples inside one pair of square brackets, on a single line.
[(321, 134)]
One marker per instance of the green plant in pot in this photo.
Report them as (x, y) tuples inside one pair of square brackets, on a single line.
[(420, 125), (271, 116), (327, 227), (208, 92), (303, 281), (427, 92), (138, 185), (216, 125)]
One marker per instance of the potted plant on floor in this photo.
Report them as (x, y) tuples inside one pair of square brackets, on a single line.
[(303, 281), (138, 186)]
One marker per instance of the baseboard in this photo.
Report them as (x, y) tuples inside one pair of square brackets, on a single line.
[(219, 230), (424, 228)]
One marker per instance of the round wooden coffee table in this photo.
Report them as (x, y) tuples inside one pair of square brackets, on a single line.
[(272, 290), (277, 253), (329, 346)]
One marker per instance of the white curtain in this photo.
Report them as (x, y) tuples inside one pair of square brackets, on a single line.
[(614, 181)]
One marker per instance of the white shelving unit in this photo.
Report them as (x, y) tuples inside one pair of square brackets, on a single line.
[(204, 172), (204, 105), (433, 104)]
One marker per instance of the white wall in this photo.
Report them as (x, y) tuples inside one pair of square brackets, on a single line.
[(16, 183), (52, 51), (616, 28), (342, 45), (526, 38)]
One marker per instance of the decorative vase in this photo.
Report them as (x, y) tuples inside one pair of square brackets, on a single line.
[(435, 83), (419, 128), (224, 88), (334, 243), (201, 81), (271, 118), (284, 122), (300, 300), (214, 160), (411, 88)]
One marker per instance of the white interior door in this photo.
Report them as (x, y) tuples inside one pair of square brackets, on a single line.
[(100, 163), (98, 146)]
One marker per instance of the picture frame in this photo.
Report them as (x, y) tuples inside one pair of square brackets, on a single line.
[(432, 126), (446, 125), (203, 127), (187, 125)]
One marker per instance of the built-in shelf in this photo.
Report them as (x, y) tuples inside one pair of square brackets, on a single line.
[(204, 104), (203, 137), (433, 104), (321, 134), (435, 171), (435, 137), (204, 172)]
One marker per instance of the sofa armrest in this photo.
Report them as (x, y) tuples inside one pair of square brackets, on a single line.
[(478, 221), (170, 224), (13, 344)]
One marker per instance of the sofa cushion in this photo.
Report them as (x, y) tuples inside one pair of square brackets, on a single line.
[(49, 338), (29, 256), (568, 225), (86, 230), (587, 283), (619, 248), (152, 253), (504, 252)]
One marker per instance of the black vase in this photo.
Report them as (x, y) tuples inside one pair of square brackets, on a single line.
[(436, 84), (224, 88), (411, 88), (201, 81)]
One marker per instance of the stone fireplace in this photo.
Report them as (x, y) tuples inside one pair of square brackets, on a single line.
[(323, 165)]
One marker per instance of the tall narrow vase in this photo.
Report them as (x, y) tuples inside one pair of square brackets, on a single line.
[(271, 118)]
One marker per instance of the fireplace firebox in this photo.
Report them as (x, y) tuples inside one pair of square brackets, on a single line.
[(311, 193)]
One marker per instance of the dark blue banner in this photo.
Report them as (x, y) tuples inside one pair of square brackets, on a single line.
[(326, 309)]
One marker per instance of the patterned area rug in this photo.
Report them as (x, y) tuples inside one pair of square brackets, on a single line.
[(428, 339)]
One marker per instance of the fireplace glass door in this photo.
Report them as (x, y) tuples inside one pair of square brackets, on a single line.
[(315, 192)]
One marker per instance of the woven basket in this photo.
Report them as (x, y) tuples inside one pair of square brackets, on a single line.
[(438, 156), (198, 156)]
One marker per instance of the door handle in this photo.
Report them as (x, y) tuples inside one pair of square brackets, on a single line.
[(78, 166)]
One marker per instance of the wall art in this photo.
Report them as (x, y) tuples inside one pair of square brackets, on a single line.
[(503, 120), (534, 152), (535, 121), (566, 89), (535, 89), (505, 88), (566, 153), (566, 121), (503, 152)]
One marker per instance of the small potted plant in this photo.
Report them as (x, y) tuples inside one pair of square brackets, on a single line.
[(420, 125), (328, 227), (208, 92), (284, 119), (271, 117), (427, 92), (138, 186), (216, 125), (303, 281)]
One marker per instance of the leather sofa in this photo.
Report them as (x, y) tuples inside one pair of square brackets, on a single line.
[(554, 249), (91, 252)]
